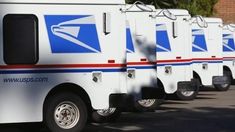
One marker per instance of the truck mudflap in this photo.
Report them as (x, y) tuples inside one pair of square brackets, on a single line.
[(123, 100), (118, 100), (192, 85), (153, 93), (220, 80), (129, 102)]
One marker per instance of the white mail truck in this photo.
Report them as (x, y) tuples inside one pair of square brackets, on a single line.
[(173, 41), (141, 56), (229, 50), (207, 53), (60, 59), (141, 72)]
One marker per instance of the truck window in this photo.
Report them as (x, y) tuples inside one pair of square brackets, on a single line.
[(20, 39)]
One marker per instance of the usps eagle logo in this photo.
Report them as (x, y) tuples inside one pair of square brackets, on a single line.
[(129, 41), (228, 43), (72, 34), (199, 41), (162, 38)]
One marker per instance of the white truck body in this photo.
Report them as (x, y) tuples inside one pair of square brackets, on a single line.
[(79, 42), (229, 49), (141, 50), (173, 49), (206, 50)]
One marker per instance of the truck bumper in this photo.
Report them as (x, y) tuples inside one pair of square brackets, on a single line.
[(220, 80), (192, 85), (117, 100), (123, 100), (153, 93)]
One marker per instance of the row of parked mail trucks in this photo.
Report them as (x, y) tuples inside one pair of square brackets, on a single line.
[(64, 62)]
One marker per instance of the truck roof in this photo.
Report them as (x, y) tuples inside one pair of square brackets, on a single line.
[(213, 20), (98, 2)]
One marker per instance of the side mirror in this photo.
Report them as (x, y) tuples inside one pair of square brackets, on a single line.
[(231, 27), (143, 7), (201, 22), (139, 5), (169, 15)]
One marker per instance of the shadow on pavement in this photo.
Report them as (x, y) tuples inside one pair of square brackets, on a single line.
[(201, 119), (205, 94), (29, 127), (175, 102), (205, 98), (168, 118), (207, 88)]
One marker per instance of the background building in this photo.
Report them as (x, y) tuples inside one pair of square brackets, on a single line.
[(225, 9)]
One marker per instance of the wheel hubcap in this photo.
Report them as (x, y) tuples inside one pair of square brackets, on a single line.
[(187, 93), (147, 102), (66, 115), (224, 85), (106, 112)]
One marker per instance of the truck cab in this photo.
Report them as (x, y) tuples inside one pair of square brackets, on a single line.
[(228, 51), (59, 60), (207, 53), (173, 45)]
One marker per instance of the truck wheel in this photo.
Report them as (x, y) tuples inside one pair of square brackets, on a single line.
[(106, 115), (65, 112), (148, 104), (184, 94), (224, 87)]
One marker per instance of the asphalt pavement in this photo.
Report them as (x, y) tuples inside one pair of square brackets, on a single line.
[(212, 111)]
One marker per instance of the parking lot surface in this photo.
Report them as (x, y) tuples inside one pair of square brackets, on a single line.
[(212, 111)]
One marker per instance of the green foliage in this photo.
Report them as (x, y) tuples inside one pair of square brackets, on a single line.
[(198, 7), (157, 3), (195, 7), (165, 3)]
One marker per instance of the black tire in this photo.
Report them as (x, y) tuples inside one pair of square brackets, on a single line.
[(188, 95), (57, 102), (150, 107), (225, 87), (102, 118), (182, 94)]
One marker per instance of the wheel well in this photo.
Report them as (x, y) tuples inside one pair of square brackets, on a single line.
[(69, 87), (159, 83), (225, 68), (195, 75)]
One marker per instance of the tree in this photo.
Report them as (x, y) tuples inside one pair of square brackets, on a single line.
[(157, 3), (198, 7), (195, 7)]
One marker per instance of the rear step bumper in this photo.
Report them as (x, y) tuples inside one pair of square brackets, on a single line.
[(192, 85), (220, 80)]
